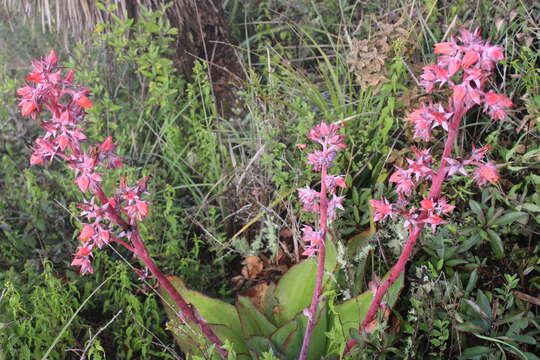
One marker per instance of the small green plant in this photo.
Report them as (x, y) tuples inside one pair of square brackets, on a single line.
[(488, 319), (279, 322)]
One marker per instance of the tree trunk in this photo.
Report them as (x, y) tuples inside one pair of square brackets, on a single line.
[(204, 34)]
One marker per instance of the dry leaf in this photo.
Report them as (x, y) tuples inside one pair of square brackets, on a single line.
[(257, 294), (253, 267)]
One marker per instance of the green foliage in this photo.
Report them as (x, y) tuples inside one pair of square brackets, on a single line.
[(278, 323), (33, 310), (223, 189)]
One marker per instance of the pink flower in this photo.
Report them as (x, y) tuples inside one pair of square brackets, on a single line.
[(419, 168), (443, 206), (382, 209), (312, 239), (446, 48), (491, 55), (451, 63), (478, 154), (335, 203), (486, 173), (428, 205), (496, 104), (82, 100), (402, 178), (470, 38), (470, 58), (87, 233), (332, 181), (309, 199), (455, 166), (319, 132), (27, 107), (433, 74), (142, 208), (318, 159), (82, 259), (102, 238), (434, 220)]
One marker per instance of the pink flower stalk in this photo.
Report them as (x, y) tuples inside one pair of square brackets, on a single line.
[(108, 219), (324, 203), (465, 66)]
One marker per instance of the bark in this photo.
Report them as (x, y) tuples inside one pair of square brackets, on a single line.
[(204, 35)]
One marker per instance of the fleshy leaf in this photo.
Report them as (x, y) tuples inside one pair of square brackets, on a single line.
[(295, 288), (222, 318), (353, 311), (252, 320), (289, 338), (259, 344)]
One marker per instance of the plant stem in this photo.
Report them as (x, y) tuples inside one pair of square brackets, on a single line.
[(186, 310), (415, 230), (312, 310)]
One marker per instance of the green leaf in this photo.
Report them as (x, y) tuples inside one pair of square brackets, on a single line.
[(222, 318), (475, 352), (531, 207), (468, 327), (531, 356), (252, 320), (259, 344), (477, 309), (283, 336), (484, 304), (472, 281), (496, 243), (295, 289), (455, 262), (288, 338), (317, 346), (359, 241), (353, 311), (477, 210), (509, 218), (519, 338)]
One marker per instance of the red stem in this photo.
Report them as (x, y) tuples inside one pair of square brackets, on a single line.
[(434, 193), (186, 310), (312, 310), (113, 214)]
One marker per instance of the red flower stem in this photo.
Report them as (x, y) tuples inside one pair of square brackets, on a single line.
[(312, 310), (111, 211), (434, 193), (124, 244), (186, 310)]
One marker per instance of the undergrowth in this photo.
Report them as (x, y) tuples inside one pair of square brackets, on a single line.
[(223, 189)]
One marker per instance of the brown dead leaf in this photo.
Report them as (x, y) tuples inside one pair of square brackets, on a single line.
[(370, 327), (257, 294), (253, 267), (286, 233), (526, 297), (367, 57)]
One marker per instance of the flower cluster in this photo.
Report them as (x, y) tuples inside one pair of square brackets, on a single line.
[(48, 88), (107, 219), (469, 62), (317, 201), (464, 65)]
